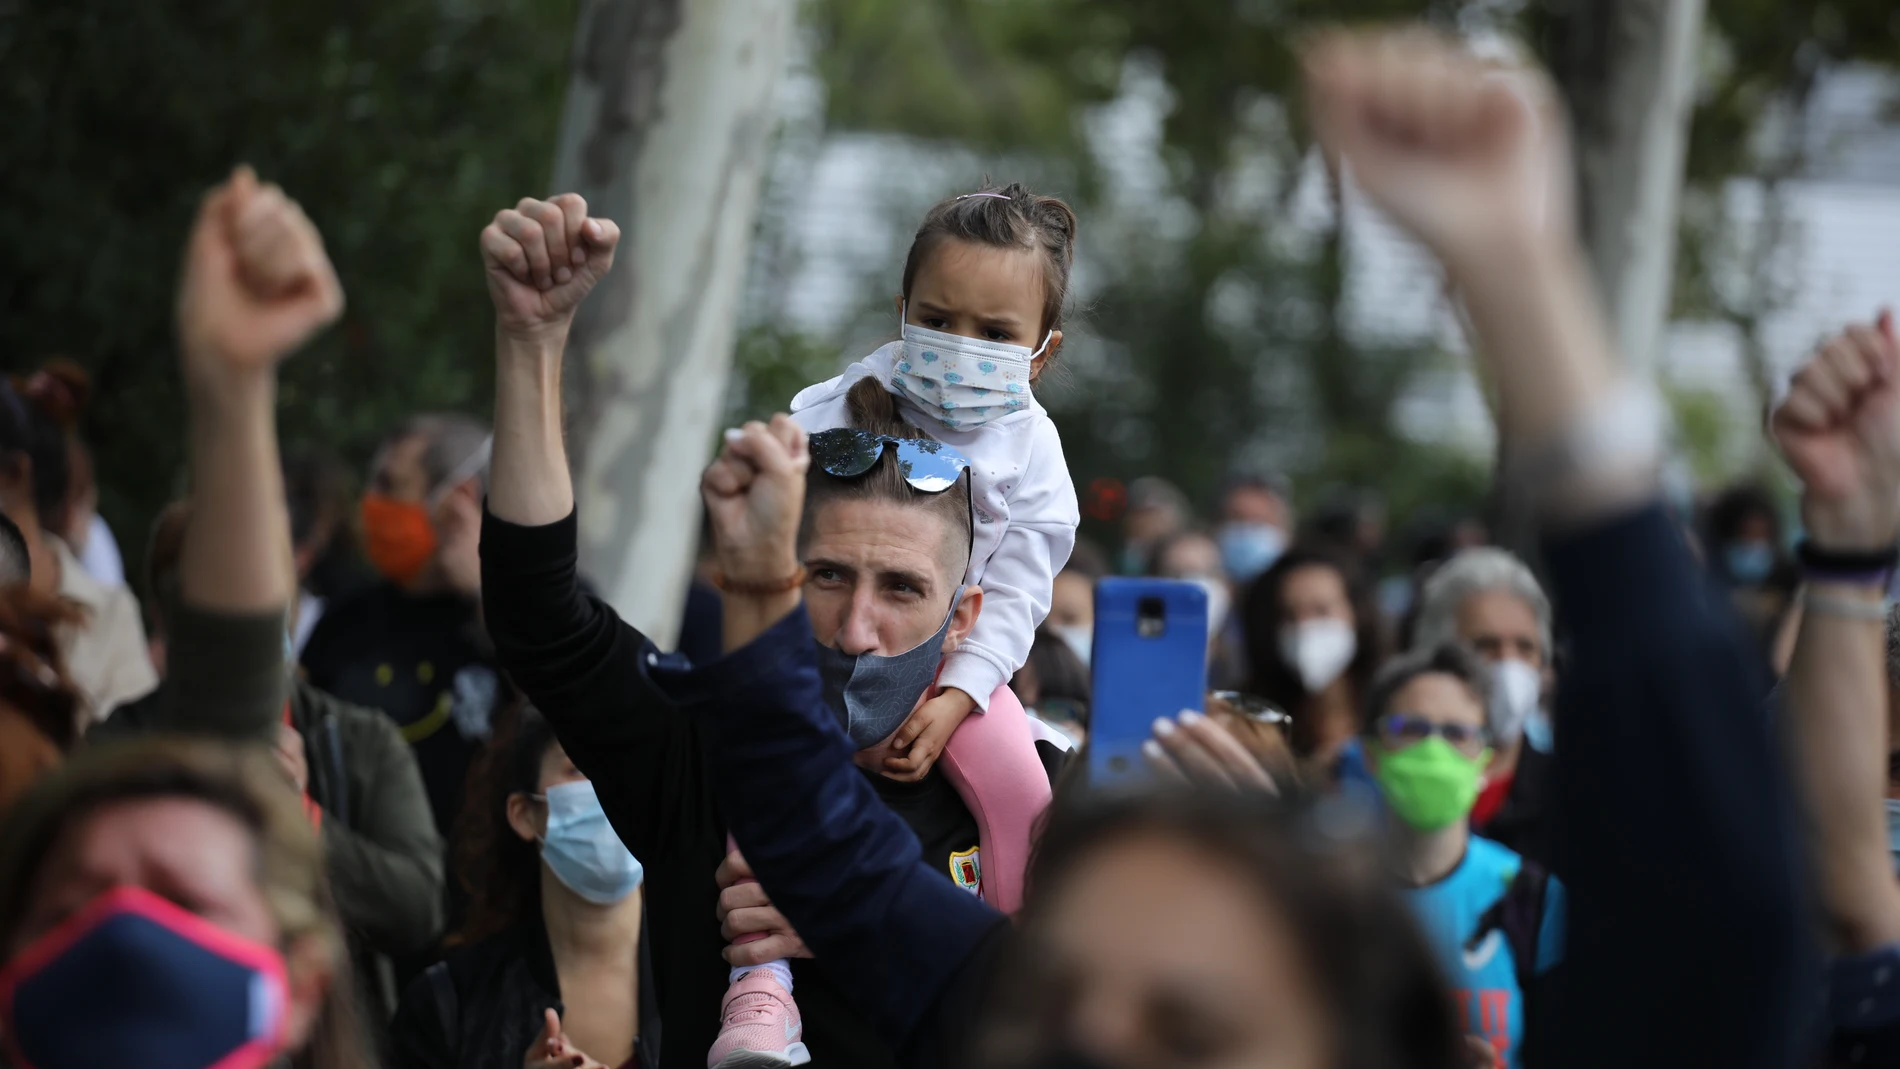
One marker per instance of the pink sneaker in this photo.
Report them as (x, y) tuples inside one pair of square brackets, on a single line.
[(761, 1027)]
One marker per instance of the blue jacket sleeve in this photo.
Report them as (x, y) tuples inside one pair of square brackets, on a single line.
[(846, 871), (1687, 940)]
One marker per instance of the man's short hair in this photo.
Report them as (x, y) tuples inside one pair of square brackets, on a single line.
[(1451, 659), (1469, 573), (873, 408)]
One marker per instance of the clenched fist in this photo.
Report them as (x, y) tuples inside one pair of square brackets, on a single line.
[(542, 258), (755, 493), (257, 283), (1839, 429), (1459, 153)]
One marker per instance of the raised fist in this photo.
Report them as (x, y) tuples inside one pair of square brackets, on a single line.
[(1839, 429), (1459, 152), (755, 495), (542, 258), (257, 283)]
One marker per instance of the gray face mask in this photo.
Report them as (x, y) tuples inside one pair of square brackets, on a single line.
[(871, 694)]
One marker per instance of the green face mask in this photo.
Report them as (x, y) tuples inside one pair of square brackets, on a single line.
[(1429, 784)]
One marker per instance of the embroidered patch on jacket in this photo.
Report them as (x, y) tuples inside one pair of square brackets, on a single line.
[(967, 869)]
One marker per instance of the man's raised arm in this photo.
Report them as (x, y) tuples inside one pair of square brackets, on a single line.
[(542, 258)]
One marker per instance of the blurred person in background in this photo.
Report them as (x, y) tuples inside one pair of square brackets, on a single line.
[(164, 902), (1072, 600), (1427, 746), (1747, 553), (1156, 509), (1054, 686), (105, 647), (381, 850), (1432, 536), (1487, 601), (551, 968), (1351, 522), (316, 486), (1313, 642), (1256, 521), (412, 644), (1194, 556), (63, 391)]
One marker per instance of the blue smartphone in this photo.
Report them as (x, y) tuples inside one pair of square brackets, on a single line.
[(1149, 659)]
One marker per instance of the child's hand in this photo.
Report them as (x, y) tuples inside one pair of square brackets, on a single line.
[(1464, 156), (926, 733)]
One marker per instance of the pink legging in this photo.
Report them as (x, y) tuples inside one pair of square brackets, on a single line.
[(992, 762)]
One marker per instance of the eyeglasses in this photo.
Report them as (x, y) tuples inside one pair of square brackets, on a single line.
[(1399, 730), (1254, 708), (926, 464)]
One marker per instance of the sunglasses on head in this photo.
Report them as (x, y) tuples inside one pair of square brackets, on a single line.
[(1399, 730), (926, 464)]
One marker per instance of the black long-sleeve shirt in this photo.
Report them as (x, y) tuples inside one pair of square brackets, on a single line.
[(607, 692)]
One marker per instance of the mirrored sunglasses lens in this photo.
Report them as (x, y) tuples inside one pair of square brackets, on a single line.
[(845, 453), (927, 466)]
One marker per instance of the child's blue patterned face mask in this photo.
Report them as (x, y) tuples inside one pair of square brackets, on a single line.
[(964, 382)]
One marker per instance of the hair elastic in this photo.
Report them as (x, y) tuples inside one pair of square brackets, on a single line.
[(967, 196)]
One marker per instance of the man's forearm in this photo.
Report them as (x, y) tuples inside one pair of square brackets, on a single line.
[(1836, 722), (529, 482), (236, 552), (1544, 345)]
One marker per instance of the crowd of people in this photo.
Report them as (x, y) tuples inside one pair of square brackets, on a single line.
[(436, 806)]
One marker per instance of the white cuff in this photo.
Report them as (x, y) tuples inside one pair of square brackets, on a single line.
[(972, 674)]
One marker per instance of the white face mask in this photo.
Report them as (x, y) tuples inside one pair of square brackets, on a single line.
[(1319, 650), (1078, 637), (1515, 690), (962, 382)]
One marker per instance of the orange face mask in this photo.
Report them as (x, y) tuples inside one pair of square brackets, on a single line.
[(397, 536)]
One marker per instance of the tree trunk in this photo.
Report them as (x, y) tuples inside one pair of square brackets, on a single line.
[(1628, 71), (668, 118)]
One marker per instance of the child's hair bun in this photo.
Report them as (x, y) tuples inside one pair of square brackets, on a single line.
[(1007, 216)]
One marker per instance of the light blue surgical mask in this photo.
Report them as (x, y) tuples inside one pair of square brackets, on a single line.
[(582, 849), (1247, 549), (1893, 831), (1537, 732), (1749, 562)]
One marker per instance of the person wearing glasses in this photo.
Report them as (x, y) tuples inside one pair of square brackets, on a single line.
[(1496, 921), (883, 568)]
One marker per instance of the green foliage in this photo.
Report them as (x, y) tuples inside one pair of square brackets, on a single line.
[(1701, 431), (400, 125)]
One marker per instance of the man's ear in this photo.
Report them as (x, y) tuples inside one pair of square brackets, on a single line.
[(1048, 354), (963, 621), (899, 302)]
